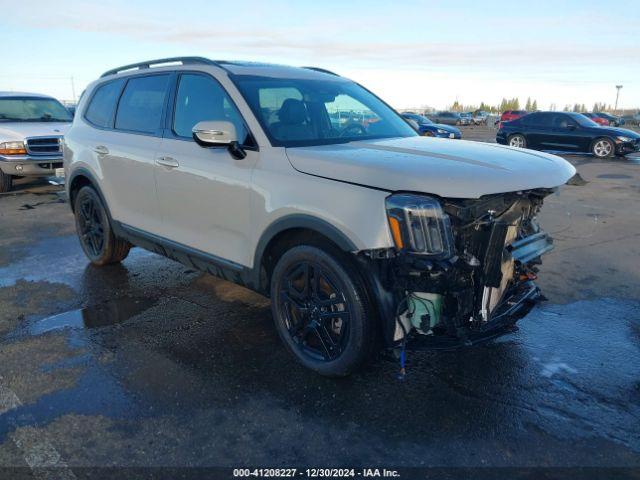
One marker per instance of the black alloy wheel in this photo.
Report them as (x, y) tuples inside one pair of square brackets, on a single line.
[(99, 243), (321, 311)]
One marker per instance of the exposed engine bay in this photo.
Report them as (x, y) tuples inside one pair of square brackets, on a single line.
[(477, 277)]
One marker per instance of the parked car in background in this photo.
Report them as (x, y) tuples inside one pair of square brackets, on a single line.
[(509, 115), (632, 119), (446, 117), (597, 119), (480, 117), (31, 130), (614, 120), (466, 118), (568, 132), (429, 129), (364, 236)]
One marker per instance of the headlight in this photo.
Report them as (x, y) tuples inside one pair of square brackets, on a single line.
[(12, 148), (442, 131), (625, 139), (419, 225)]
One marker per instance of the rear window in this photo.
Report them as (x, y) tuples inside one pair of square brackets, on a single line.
[(537, 119), (103, 103), (140, 107)]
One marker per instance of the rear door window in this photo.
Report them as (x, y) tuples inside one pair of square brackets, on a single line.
[(141, 104), (103, 104)]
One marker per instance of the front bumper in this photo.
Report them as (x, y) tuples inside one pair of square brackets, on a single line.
[(622, 148), (30, 165)]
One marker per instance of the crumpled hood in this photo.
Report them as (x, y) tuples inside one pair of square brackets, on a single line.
[(17, 131), (454, 169)]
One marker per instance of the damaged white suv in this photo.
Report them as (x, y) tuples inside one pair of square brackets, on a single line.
[(304, 186)]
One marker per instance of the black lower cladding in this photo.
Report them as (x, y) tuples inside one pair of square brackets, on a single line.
[(481, 228)]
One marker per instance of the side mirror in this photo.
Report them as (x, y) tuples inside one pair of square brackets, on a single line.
[(218, 133)]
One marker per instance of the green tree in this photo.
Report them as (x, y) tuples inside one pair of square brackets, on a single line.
[(528, 105), (534, 106)]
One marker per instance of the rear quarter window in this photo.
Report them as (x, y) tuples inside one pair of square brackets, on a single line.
[(100, 110)]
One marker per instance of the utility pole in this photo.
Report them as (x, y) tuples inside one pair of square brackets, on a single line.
[(618, 87), (73, 90)]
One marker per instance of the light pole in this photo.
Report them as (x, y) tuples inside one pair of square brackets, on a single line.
[(618, 87)]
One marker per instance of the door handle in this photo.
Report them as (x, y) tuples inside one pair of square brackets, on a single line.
[(101, 150), (167, 162)]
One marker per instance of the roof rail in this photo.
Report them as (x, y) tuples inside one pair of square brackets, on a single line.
[(323, 70), (160, 62)]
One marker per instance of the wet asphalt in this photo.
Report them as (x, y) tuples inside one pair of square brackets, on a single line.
[(149, 363)]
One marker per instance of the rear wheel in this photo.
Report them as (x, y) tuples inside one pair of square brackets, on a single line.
[(321, 311), (518, 141), (603, 148), (6, 182), (94, 230)]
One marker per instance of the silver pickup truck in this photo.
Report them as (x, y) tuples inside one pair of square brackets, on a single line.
[(31, 131)]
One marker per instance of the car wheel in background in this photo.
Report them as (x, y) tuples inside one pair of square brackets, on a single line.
[(518, 141), (321, 311), (603, 148), (94, 230), (6, 182), (427, 133)]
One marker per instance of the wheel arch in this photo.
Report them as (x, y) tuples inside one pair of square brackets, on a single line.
[(291, 230), (82, 178)]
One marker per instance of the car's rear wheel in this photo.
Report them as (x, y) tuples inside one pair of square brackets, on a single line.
[(95, 232), (6, 182), (321, 311), (603, 148), (518, 141)]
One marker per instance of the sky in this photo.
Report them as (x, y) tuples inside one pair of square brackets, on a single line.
[(411, 53)]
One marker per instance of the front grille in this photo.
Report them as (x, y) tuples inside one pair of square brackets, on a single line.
[(44, 146)]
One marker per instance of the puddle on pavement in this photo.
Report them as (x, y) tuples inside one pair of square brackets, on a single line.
[(101, 315)]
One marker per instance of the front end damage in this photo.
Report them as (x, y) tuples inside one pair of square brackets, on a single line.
[(462, 271)]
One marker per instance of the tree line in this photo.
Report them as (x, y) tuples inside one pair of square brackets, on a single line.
[(530, 106)]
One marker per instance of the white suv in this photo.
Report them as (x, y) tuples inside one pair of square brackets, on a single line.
[(304, 186), (31, 129)]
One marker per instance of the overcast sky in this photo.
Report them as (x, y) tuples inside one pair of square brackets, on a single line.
[(411, 53)]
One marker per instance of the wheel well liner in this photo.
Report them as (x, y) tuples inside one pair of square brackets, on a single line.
[(81, 178)]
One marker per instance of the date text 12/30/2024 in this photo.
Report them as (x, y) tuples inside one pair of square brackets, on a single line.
[(315, 473)]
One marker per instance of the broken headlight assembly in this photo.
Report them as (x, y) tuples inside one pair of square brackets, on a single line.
[(419, 225)]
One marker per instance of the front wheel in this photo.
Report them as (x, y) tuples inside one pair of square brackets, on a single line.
[(93, 226), (603, 148), (6, 182), (321, 311), (517, 141)]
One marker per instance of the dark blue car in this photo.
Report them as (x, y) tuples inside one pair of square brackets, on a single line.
[(567, 132), (429, 129)]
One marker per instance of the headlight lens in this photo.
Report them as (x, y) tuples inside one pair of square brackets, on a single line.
[(625, 139), (12, 148), (441, 131), (419, 225)]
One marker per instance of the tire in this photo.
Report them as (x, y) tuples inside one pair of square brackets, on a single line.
[(6, 182), (517, 141), (95, 232), (603, 148), (322, 312)]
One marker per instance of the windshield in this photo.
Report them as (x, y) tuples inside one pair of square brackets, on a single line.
[(422, 120), (296, 112), (32, 109)]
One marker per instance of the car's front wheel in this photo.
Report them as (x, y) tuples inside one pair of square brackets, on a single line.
[(6, 182), (93, 226), (603, 148), (518, 141), (321, 311)]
